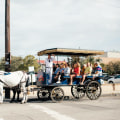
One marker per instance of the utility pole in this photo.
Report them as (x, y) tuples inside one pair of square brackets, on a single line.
[(7, 42)]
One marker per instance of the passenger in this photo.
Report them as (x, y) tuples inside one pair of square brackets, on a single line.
[(91, 67), (87, 72), (76, 72), (54, 68), (62, 68), (67, 69), (98, 69), (57, 69), (72, 69), (83, 69), (60, 77), (66, 72), (59, 72)]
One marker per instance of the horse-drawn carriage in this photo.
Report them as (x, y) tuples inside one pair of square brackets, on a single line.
[(91, 86)]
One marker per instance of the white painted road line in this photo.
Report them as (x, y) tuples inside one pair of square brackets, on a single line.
[(52, 113), (1, 119)]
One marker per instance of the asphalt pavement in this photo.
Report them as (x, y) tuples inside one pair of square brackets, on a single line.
[(105, 108)]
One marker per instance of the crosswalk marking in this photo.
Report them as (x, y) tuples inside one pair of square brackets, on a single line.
[(52, 113)]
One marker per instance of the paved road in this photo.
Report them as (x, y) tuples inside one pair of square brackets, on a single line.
[(105, 108)]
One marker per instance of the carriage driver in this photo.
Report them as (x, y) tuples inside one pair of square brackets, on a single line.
[(49, 66)]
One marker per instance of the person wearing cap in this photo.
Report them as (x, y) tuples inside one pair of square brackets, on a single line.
[(49, 66)]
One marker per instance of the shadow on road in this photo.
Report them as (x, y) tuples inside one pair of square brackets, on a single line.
[(48, 100)]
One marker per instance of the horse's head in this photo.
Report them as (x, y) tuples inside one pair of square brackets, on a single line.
[(24, 76)]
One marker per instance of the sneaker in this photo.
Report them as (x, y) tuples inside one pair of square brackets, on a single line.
[(58, 82)]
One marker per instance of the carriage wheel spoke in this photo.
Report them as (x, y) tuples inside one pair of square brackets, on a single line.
[(93, 90), (57, 94), (77, 92)]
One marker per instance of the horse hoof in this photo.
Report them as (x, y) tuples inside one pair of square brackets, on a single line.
[(25, 102), (22, 102), (12, 101)]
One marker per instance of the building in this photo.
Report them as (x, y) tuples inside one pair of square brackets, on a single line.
[(110, 57)]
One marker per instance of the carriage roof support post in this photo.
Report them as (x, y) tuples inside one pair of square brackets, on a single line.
[(7, 42), (57, 59), (39, 60)]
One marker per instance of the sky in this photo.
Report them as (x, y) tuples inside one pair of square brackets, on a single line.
[(80, 24)]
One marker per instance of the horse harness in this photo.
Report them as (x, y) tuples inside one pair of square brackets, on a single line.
[(22, 78), (16, 85), (3, 83)]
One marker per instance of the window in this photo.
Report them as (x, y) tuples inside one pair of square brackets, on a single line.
[(117, 76)]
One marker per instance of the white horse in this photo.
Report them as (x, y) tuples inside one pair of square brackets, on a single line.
[(13, 79)]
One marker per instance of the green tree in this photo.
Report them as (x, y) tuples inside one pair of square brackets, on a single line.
[(16, 62), (90, 59), (113, 68), (98, 60), (29, 61), (2, 64)]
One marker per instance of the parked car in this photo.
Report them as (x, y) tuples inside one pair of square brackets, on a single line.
[(106, 78), (115, 79)]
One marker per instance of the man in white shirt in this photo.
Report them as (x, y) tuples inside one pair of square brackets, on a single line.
[(49, 66)]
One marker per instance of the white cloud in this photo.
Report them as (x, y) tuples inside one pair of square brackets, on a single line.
[(42, 24)]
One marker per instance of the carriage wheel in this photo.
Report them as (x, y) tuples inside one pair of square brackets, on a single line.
[(93, 90), (43, 94), (78, 92), (57, 94)]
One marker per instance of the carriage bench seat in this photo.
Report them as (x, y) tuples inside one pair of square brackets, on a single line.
[(94, 76), (68, 77), (75, 81), (79, 76), (89, 76)]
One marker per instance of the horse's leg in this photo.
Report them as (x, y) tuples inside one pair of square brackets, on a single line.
[(14, 94), (24, 100), (18, 94), (1, 92)]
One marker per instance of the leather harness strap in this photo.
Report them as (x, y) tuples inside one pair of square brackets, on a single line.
[(3, 83), (16, 85)]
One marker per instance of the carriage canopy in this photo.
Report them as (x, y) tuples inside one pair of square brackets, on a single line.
[(70, 52)]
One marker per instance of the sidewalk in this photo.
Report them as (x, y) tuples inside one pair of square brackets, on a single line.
[(107, 90)]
